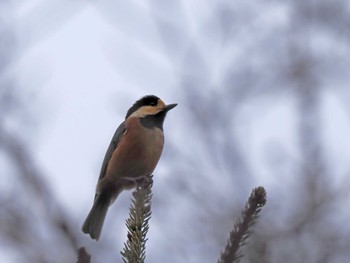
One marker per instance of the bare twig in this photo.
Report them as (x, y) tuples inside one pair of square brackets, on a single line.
[(83, 256)]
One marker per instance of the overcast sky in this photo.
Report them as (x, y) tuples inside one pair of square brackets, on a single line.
[(83, 70)]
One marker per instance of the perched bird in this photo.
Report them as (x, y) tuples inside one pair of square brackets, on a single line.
[(130, 159)]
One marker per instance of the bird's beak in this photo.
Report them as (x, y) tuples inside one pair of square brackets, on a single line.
[(169, 107)]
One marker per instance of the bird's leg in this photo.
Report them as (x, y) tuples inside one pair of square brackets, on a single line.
[(142, 181), (145, 181)]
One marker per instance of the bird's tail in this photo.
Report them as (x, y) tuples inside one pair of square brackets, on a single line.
[(94, 221)]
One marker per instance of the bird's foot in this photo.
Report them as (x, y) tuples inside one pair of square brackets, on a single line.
[(145, 181), (142, 181)]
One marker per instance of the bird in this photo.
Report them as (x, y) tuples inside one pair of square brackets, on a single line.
[(131, 157)]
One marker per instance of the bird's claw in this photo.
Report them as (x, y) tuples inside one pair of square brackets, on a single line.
[(145, 181)]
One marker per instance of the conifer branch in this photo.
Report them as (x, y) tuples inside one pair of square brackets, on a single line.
[(242, 228), (137, 224)]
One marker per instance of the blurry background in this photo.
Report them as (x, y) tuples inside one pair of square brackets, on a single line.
[(263, 94)]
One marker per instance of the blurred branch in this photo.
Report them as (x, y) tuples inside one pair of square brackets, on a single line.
[(241, 230), (34, 181), (83, 256), (137, 224)]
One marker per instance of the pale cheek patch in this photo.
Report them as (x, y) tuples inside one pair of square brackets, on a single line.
[(160, 104), (146, 110)]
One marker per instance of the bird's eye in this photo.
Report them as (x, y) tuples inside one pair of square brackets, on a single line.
[(153, 103)]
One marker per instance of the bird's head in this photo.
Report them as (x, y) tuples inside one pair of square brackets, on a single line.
[(147, 106)]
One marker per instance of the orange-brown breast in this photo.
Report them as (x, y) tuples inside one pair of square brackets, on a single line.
[(138, 152)]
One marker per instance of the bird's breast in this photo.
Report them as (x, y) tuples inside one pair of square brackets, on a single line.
[(138, 152)]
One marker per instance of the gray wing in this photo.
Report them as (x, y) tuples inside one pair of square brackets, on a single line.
[(112, 146)]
